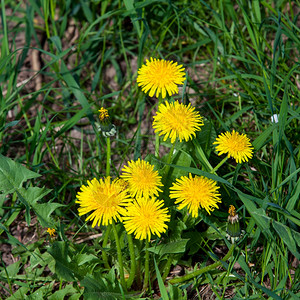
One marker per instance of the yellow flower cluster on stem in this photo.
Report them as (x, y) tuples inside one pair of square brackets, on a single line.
[(134, 198)]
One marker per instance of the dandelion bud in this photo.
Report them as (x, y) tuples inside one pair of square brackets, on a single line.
[(233, 226), (107, 128)]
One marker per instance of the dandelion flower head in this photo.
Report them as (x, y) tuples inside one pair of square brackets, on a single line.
[(105, 199), (195, 193), (51, 231), (237, 146), (176, 120), (159, 76), (141, 178), (145, 216), (103, 114)]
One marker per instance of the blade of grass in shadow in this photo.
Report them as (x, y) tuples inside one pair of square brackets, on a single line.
[(162, 288)]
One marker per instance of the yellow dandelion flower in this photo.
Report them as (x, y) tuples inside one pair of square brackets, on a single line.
[(51, 231), (236, 145), (160, 76), (105, 199), (103, 114), (142, 179), (145, 216), (195, 193), (176, 120)]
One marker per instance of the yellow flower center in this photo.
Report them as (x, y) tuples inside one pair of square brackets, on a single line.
[(236, 144), (104, 200)]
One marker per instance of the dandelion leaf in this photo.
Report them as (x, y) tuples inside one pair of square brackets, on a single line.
[(13, 174)]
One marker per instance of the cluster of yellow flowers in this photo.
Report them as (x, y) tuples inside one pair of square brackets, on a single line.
[(131, 199), (134, 197)]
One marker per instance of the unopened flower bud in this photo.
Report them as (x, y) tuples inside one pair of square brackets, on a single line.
[(233, 226), (107, 128)]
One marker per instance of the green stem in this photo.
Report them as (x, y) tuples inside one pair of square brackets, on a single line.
[(108, 156), (167, 267), (203, 270), (169, 160), (138, 267), (156, 134), (156, 145), (120, 258), (213, 171), (146, 278), (132, 260), (105, 240), (46, 14)]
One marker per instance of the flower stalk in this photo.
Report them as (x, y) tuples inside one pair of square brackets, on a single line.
[(170, 157), (120, 258), (132, 261), (167, 267), (203, 270), (147, 256), (157, 142), (221, 163), (105, 240), (108, 156)]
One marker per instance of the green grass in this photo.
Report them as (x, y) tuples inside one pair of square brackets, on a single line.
[(242, 63)]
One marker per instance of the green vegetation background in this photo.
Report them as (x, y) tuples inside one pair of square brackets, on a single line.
[(61, 61)]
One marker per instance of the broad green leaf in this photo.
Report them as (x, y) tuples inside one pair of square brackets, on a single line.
[(33, 194), (19, 294), (258, 214), (181, 158), (68, 290), (11, 270), (296, 236), (84, 258), (63, 268), (172, 247), (205, 137), (261, 139), (41, 293), (285, 233), (43, 211), (98, 287), (293, 200), (177, 293), (39, 259), (13, 174)]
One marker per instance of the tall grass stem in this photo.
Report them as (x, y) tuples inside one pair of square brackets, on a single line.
[(147, 275), (132, 261), (120, 257)]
